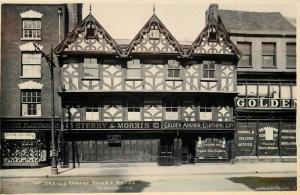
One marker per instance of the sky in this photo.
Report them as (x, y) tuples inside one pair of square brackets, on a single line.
[(184, 19)]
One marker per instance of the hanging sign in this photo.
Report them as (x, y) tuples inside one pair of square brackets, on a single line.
[(20, 136)]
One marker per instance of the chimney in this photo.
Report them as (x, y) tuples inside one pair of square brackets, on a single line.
[(74, 15), (212, 12)]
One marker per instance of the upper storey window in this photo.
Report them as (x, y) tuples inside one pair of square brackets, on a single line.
[(31, 103), (134, 69), (268, 54), (31, 65), (291, 55), (90, 31), (31, 25), (154, 34), (212, 34), (91, 70), (209, 69), (245, 47), (32, 29), (174, 69)]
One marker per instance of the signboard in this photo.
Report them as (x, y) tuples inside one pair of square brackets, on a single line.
[(113, 139), (211, 148), (143, 125), (264, 103), (34, 125), (288, 139), (20, 136), (246, 138), (268, 139)]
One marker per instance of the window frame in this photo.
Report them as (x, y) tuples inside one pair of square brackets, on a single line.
[(37, 29), (97, 68), (37, 103), (129, 68), (207, 107), (172, 106), (133, 107), (209, 70), (273, 55), (31, 64), (245, 53), (171, 66), (95, 108), (291, 55)]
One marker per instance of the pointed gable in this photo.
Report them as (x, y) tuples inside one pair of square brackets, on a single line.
[(214, 39), (154, 37), (89, 36)]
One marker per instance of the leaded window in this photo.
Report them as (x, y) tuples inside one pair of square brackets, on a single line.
[(174, 69), (209, 69)]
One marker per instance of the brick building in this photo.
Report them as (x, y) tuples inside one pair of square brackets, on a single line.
[(226, 96), (25, 77)]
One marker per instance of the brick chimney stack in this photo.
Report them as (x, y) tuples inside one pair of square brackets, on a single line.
[(74, 15), (212, 12)]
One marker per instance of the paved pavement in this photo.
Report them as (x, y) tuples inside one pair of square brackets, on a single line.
[(144, 169)]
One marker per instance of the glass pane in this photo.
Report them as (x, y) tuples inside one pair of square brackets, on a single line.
[(31, 58), (94, 66), (206, 115), (91, 73), (211, 66), (294, 91), (38, 109), (211, 74), (291, 61), (251, 90), (134, 116), (24, 110), (268, 61), (274, 91), (133, 73), (205, 74), (172, 115), (268, 49), (285, 92), (245, 61), (263, 90), (176, 73), (31, 71), (244, 47), (241, 89), (291, 48)]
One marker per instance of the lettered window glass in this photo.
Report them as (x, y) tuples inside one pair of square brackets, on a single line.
[(251, 90), (31, 29), (172, 110), (174, 70), (133, 111), (269, 54), (91, 70), (246, 48), (134, 69), (31, 103), (92, 113), (291, 55), (31, 65)]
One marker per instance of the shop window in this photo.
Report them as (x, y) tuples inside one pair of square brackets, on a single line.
[(32, 29), (154, 34), (246, 48), (251, 90), (172, 110), (92, 113), (31, 103), (31, 65), (285, 92), (133, 111), (91, 70), (134, 69), (268, 54), (291, 55), (209, 69), (174, 69), (206, 112)]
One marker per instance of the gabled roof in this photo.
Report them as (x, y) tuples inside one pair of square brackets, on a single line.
[(223, 44), (256, 22), (154, 20), (76, 33)]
